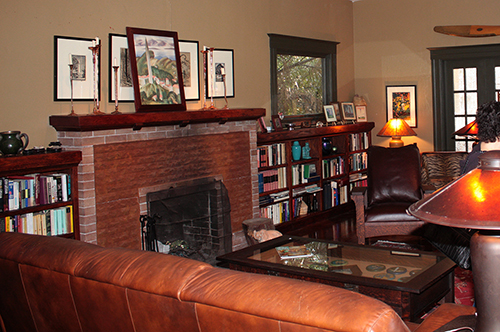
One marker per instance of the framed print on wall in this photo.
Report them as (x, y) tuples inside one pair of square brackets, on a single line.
[(75, 51), (402, 103), (329, 113), (223, 63), (119, 56), (156, 70), (348, 111), (189, 51)]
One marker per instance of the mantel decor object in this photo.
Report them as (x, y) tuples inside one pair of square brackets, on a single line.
[(115, 70), (220, 76), (96, 50), (156, 70), (11, 142), (296, 151), (72, 113)]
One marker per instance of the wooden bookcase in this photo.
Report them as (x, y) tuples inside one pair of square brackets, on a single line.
[(49, 165), (287, 185)]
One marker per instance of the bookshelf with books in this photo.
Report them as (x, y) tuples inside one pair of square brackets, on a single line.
[(317, 185), (39, 194)]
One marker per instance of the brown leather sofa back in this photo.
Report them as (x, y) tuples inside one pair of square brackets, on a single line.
[(56, 284)]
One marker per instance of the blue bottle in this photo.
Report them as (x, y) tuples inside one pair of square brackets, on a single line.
[(296, 150)]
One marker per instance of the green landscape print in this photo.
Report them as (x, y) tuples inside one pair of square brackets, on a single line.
[(157, 70)]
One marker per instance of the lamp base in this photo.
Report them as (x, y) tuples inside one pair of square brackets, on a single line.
[(485, 259), (396, 142)]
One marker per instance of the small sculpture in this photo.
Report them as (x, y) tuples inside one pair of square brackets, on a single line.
[(305, 151)]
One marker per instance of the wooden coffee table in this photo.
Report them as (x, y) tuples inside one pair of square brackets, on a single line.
[(411, 282)]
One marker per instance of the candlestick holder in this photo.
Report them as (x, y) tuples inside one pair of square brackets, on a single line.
[(71, 82), (205, 88), (95, 53), (212, 81), (115, 69), (225, 94)]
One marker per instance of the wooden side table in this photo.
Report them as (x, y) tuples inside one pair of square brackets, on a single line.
[(444, 314)]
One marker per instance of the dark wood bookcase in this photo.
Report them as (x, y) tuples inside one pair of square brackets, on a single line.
[(45, 164), (287, 175)]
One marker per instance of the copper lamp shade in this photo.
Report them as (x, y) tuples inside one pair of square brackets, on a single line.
[(396, 128), (472, 201), (468, 130)]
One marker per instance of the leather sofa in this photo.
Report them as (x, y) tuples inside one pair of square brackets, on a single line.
[(57, 284)]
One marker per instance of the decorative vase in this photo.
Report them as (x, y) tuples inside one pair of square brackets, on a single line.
[(326, 146), (305, 151), (11, 142), (296, 150)]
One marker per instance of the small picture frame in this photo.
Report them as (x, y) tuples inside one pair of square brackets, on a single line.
[(119, 56), (402, 103), (348, 111), (361, 113), (189, 51), (262, 124), (223, 63), (329, 113), (156, 70), (277, 125), (75, 51), (338, 113)]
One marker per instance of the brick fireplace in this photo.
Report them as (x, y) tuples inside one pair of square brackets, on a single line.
[(126, 156)]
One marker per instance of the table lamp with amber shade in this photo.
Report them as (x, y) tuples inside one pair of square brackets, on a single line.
[(396, 128), (469, 130), (472, 201)]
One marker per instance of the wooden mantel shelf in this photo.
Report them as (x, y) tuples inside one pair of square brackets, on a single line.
[(149, 119)]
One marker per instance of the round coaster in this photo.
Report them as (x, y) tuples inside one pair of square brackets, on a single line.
[(397, 270), (404, 279), (339, 262), (386, 276), (375, 268), (413, 272)]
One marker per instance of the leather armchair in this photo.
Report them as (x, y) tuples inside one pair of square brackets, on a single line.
[(394, 183)]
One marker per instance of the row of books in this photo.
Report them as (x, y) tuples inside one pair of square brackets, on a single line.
[(272, 155), (333, 167), (47, 222), (274, 198), (272, 179), (278, 212), (359, 141), (334, 194), (304, 173), (358, 161), (19, 192)]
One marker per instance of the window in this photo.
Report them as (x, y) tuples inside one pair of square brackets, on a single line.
[(463, 77), (303, 75)]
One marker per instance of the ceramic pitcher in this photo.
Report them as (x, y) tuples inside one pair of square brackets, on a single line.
[(11, 142)]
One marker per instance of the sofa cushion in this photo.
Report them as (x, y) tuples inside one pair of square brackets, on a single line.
[(394, 174)]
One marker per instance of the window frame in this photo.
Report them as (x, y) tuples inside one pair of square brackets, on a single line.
[(290, 45)]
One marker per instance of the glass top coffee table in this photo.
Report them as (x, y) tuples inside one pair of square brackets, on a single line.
[(411, 282)]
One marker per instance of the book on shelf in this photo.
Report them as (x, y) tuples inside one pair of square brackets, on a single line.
[(358, 161), (271, 155), (304, 173), (289, 252), (272, 179), (47, 222), (278, 212), (333, 167), (358, 141)]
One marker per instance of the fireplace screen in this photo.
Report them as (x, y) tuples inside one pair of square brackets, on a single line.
[(192, 219)]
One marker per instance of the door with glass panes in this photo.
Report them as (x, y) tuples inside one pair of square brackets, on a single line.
[(463, 79)]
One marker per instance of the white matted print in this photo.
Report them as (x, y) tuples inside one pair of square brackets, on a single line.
[(361, 113), (119, 56), (189, 51), (221, 64)]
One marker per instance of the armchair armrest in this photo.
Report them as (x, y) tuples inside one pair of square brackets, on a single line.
[(358, 195), (428, 190)]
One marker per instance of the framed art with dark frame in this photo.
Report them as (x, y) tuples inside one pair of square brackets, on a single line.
[(329, 113), (276, 122), (119, 56), (189, 51), (348, 111), (156, 70), (402, 103), (75, 51), (338, 113), (223, 63)]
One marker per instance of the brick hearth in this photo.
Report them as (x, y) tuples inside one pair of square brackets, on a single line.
[(118, 164)]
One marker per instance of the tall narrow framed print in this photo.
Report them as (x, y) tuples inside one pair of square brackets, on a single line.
[(189, 51), (156, 70), (74, 69), (119, 56), (402, 103), (220, 73)]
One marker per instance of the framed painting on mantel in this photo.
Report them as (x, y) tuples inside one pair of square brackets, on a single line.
[(190, 69), (402, 103), (119, 56), (156, 70)]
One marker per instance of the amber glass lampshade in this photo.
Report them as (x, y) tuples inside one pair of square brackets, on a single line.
[(396, 128), (472, 201), (468, 130)]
